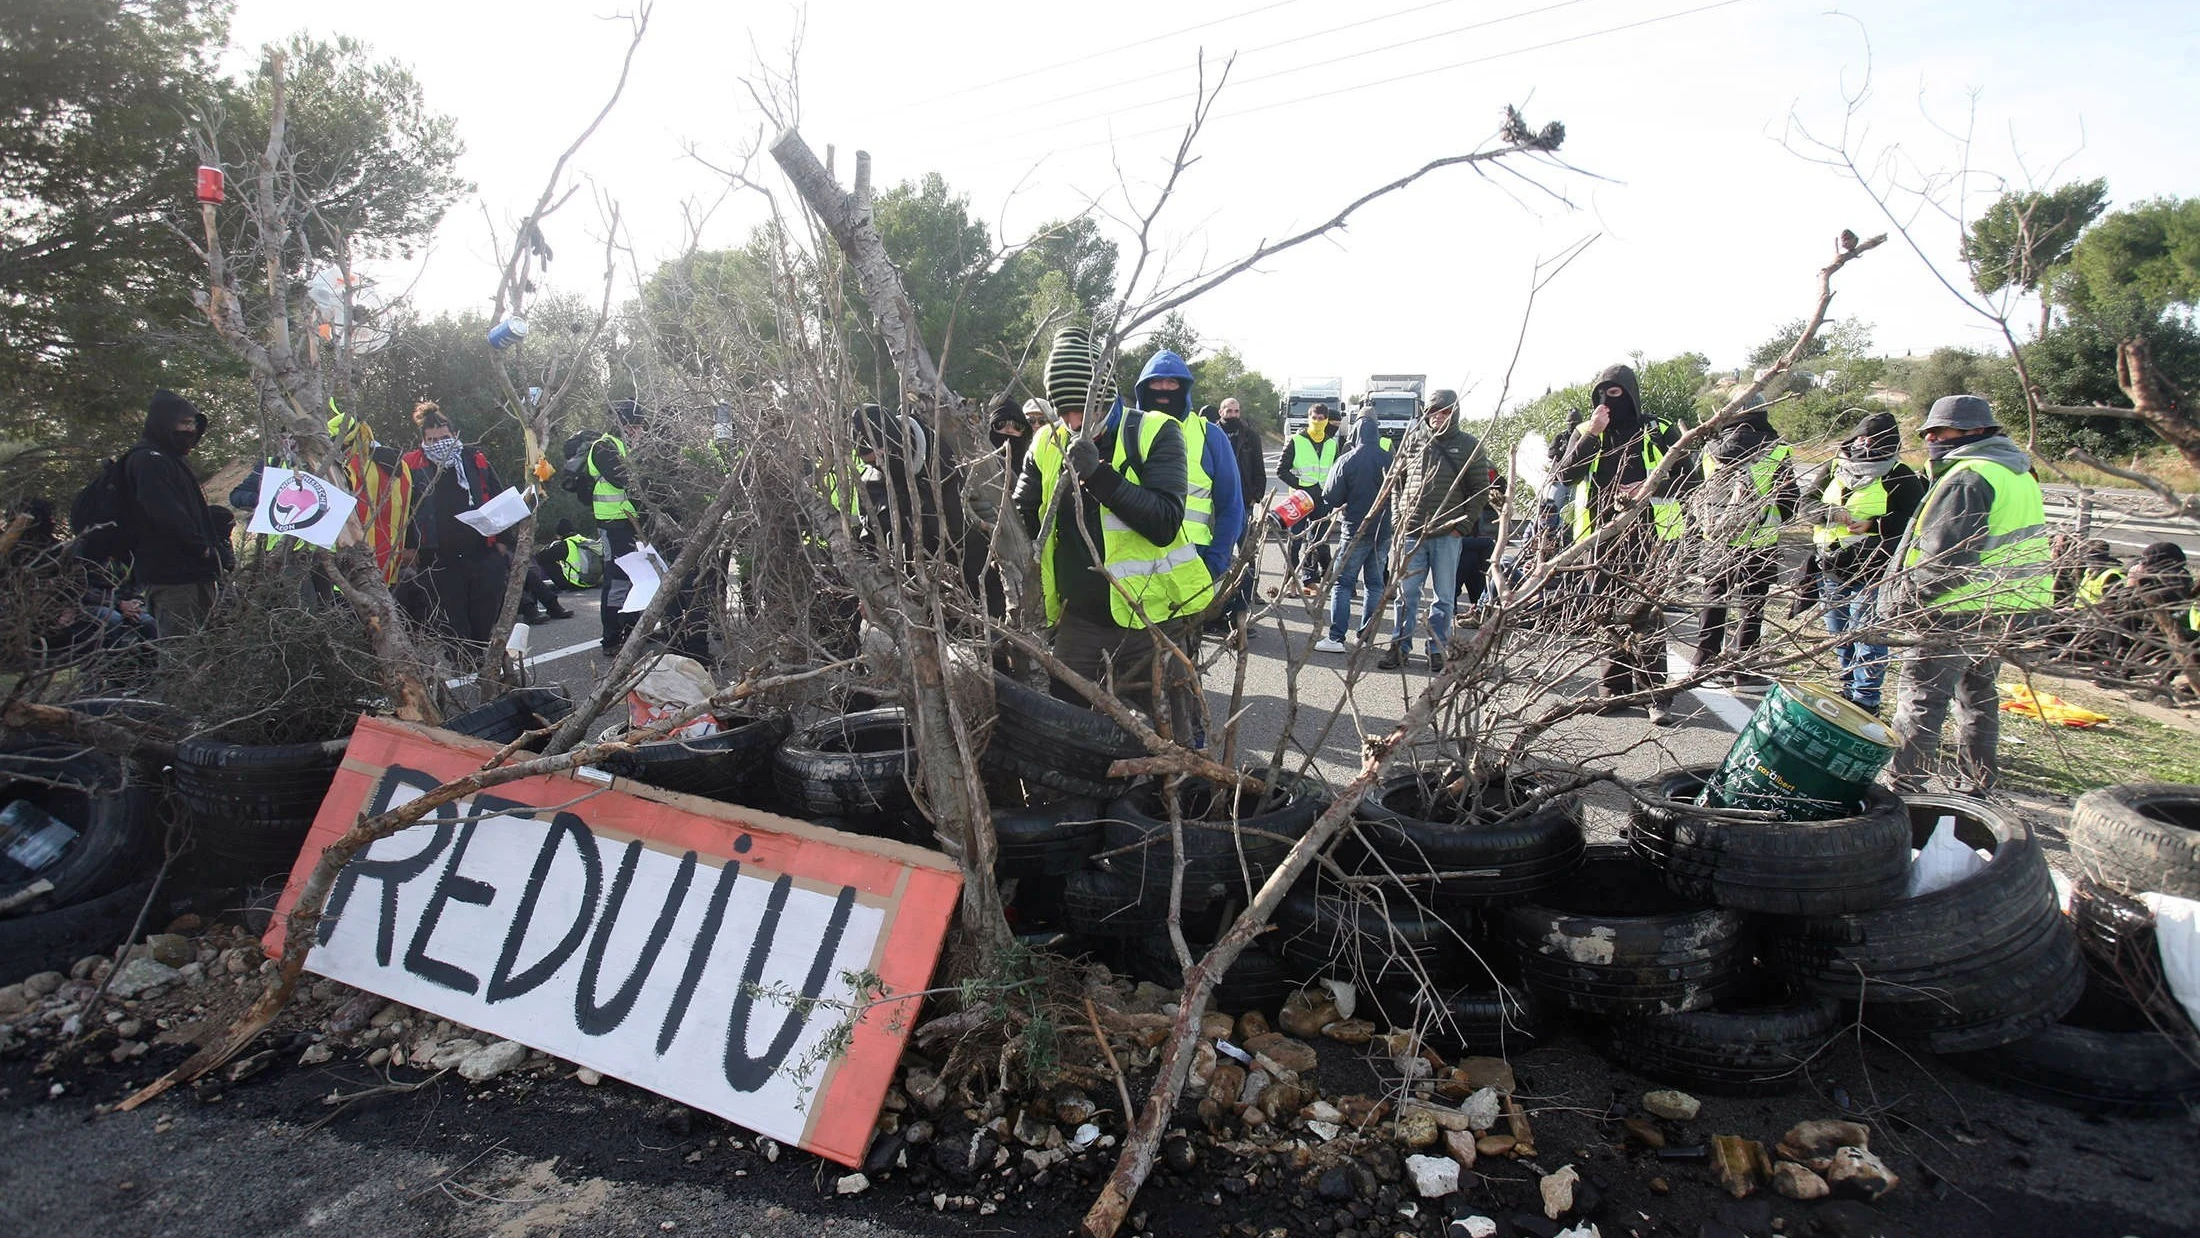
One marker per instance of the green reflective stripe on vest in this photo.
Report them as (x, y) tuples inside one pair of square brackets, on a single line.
[(1312, 463), (2096, 585), (1151, 583), (610, 502), (1764, 473), (1199, 488), (1667, 518), (2012, 572), (1865, 503)]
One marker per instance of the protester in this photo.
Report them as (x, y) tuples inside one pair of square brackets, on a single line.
[(1363, 532), (1867, 497), (182, 546), (1973, 565), (1304, 465), (570, 561), (1748, 493), (1252, 465), (1477, 550), (612, 506), (1608, 460), (1441, 491), (462, 569), (1011, 431), (1125, 495)]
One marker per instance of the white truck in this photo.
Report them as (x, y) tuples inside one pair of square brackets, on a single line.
[(1395, 399), (1300, 394)]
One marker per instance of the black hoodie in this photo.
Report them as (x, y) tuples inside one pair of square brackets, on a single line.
[(177, 541), (1614, 458)]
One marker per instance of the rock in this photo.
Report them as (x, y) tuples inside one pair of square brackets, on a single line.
[(1557, 1190), (315, 1054), (1797, 1182), (47, 983), (391, 1012), (851, 1184), (357, 1011), (1306, 1012), (488, 1062), (1073, 1108), (1292, 1055), (1227, 1084), (141, 976), (587, 1078), (193, 973), (446, 1055), (1032, 1131), (1813, 1142), (1739, 1165), (1204, 1061), (1644, 1133), (14, 1000), (924, 1089), (1447, 1118), (1659, 1186), (1856, 1172), (379, 1058), (1489, 1072), (1493, 1145), (1433, 1176), (174, 949), (1362, 1111), (1321, 1111), (1039, 1160), (1472, 1227), (1350, 1031), (127, 1049), (1672, 1106), (1086, 1136), (1256, 1082), (1324, 1131), (1584, 1230), (1179, 1155), (1417, 1128), (239, 960), (1284, 1099), (1459, 1145), (83, 968), (1523, 1135), (1335, 1185), (1215, 1025), (1412, 1066), (1481, 1109), (1250, 1024), (1385, 1164)]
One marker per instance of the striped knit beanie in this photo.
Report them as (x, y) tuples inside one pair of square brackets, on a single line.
[(1071, 372)]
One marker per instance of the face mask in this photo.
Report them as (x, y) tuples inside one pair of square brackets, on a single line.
[(1317, 430), (1170, 402), (186, 440), (1938, 451), (443, 451)]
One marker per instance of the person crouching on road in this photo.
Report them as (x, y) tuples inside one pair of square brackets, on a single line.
[(1973, 567)]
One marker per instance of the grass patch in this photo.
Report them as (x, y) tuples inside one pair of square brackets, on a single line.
[(2065, 761)]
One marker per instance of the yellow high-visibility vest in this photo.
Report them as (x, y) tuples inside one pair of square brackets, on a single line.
[(1764, 472), (1152, 583), (1666, 516), (2012, 575), (610, 502), (1866, 502)]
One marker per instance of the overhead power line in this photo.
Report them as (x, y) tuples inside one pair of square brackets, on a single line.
[(1145, 41)]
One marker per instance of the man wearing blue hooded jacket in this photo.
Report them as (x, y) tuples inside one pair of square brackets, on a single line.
[(1363, 536), (1214, 505)]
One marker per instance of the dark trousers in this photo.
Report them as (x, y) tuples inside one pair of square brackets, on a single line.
[(1740, 586), (467, 592), (619, 539), (1315, 559), (1637, 660), (1123, 661), (1474, 571)]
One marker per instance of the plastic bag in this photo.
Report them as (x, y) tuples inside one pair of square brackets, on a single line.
[(671, 686), (2047, 707), (2177, 938), (1944, 861)]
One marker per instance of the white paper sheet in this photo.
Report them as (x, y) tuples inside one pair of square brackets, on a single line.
[(496, 515), (298, 504), (645, 569), (2177, 938)]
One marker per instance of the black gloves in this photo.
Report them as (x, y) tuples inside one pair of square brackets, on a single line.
[(1084, 457)]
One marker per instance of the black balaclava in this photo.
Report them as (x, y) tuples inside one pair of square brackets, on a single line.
[(1170, 402)]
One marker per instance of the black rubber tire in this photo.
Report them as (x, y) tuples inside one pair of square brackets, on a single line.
[(251, 805), (1508, 863), (1056, 743), (1257, 980), (855, 765), (2140, 836), (1789, 868), (1745, 1048), (1615, 941), (1981, 963), (514, 714), (733, 766), (53, 940), (1218, 859), (2104, 1057), (1387, 941), (1106, 905), (2116, 934), (1046, 840), (111, 812), (1479, 1018)]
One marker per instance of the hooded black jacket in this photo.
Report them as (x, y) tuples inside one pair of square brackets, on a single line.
[(1614, 458), (1252, 462), (1153, 507), (178, 542)]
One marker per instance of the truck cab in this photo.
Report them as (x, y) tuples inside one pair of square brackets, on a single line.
[(1395, 400), (1301, 394)]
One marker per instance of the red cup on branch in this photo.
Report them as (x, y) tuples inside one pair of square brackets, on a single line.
[(210, 185)]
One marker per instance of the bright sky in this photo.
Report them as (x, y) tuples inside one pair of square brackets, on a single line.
[(1712, 230)]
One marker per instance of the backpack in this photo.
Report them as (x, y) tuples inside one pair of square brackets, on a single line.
[(573, 476), (105, 517)]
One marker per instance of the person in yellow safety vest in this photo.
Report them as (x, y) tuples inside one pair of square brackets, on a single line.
[(1307, 458), (1974, 563), (2099, 576), (1119, 486), (613, 507), (1608, 460), (1748, 492), (1866, 500)]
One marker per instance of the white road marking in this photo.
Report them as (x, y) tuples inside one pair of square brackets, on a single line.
[(1723, 705), (537, 660)]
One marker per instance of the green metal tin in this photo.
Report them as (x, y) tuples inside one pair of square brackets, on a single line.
[(1807, 754)]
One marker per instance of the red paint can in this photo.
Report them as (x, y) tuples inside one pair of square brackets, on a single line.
[(210, 184)]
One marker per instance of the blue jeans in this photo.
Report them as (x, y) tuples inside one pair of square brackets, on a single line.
[(1364, 561), (1863, 665), (1432, 561)]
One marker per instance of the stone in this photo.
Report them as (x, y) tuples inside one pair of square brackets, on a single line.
[(1739, 1165), (1039, 1160), (1447, 1118), (1253, 1116), (1857, 1173), (1813, 1143), (391, 1012), (1412, 1066), (356, 1012), (447, 1055), (1335, 1185), (1644, 1133), (1256, 1082), (1086, 1136), (1284, 1051), (1557, 1190), (1459, 1146), (1322, 1111), (1073, 1108), (1179, 1155), (315, 1054), (1523, 1135), (46, 983), (1280, 1099), (924, 1089), (1215, 1025), (193, 973), (1472, 1227), (1250, 1024), (1324, 1131), (1433, 1176), (1481, 1109), (489, 1061), (141, 976), (1362, 1111), (587, 1078), (14, 1000), (1227, 1084), (1031, 1130), (1489, 1072), (1385, 1164), (1306, 1012), (1417, 1128), (851, 1184), (1350, 1031), (129, 1029), (379, 1058), (1672, 1106), (127, 1049), (174, 949), (1797, 1182), (1204, 1061), (83, 968), (1493, 1145), (1659, 1186)]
